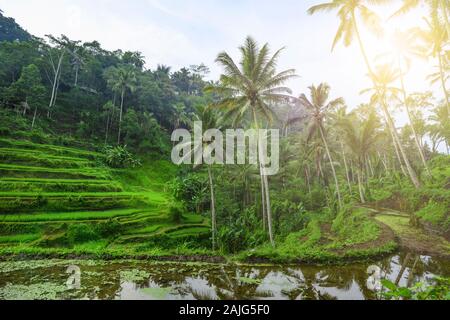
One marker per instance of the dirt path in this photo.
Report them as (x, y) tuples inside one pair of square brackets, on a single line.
[(411, 238)]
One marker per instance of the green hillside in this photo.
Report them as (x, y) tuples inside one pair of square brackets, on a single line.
[(56, 199)]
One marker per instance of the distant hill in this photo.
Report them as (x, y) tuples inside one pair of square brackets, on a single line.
[(11, 31)]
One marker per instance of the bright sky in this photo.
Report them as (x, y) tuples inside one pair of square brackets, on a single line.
[(184, 32)]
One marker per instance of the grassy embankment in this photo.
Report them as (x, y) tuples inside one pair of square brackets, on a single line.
[(60, 201), (352, 235)]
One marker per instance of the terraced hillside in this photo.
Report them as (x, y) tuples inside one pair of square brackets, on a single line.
[(61, 200)]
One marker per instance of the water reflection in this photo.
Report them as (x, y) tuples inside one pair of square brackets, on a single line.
[(211, 282)]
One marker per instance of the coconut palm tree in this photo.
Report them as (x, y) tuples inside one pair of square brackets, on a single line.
[(250, 90), (434, 40), (438, 8), (318, 107), (382, 77), (339, 115), (347, 11), (360, 136), (405, 48), (120, 80), (440, 129), (348, 28), (210, 120)]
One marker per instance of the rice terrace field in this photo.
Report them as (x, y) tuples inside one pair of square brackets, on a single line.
[(54, 206)]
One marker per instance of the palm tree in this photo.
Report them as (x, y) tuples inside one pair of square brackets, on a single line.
[(440, 129), (77, 62), (434, 39), (339, 115), (348, 27), (405, 48), (382, 77), (180, 116), (347, 13), (318, 107), (437, 8), (120, 80), (360, 136), (210, 120), (250, 90)]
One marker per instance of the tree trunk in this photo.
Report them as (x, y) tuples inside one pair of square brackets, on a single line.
[(213, 209), (360, 187), (369, 162), (265, 182), (402, 270), (120, 116), (408, 111), (391, 125), (352, 170), (346, 167), (307, 181), (107, 127), (269, 210), (34, 118), (397, 152), (361, 45), (383, 161), (76, 76), (263, 202), (332, 166), (55, 83)]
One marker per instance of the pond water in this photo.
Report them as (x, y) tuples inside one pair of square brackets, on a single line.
[(191, 281)]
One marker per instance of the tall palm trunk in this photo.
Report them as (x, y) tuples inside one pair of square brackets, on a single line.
[(408, 111), (397, 152), (307, 180), (352, 171), (55, 86), (107, 126), (346, 167), (213, 209), (324, 140), (444, 88), (121, 114), (34, 118), (360, 187), (390, 123), (265, 181), (268, 208), (361, 45), (383, 161), (263, 202), (372, 171), (76, 76)]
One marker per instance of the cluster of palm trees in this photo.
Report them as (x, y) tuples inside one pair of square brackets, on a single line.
[(249, 91), (120, 80)]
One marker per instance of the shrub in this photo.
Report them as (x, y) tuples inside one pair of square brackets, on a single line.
[(109, 229), (192, 191), (81, 232), (435, 213), (241, 232), (119, 157), (175, 214)]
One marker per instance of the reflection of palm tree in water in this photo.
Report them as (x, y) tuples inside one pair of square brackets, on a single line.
[(307, 281), (416, 269), (240, 284)]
